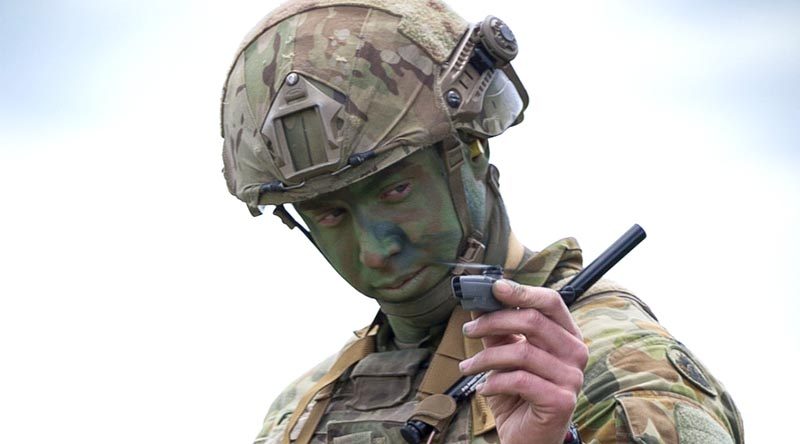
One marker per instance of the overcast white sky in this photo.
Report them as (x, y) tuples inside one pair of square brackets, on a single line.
[(139, 302)]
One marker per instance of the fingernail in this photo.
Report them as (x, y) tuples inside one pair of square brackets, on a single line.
[(479, 387), (464, 365), (468, 327), (502, 287)]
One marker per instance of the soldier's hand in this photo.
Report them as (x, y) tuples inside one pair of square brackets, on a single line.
[(535, 357)]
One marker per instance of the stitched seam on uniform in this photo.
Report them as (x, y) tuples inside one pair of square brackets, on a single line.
[(654, 338), (622, 293), (592, 296)]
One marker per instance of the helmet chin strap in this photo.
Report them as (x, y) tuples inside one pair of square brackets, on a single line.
[(472, 246)]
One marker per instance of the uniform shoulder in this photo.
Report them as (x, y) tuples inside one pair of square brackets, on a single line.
[(284, 405), (609, 314), (640, 381)]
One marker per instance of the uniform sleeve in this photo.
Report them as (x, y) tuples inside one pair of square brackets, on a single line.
[(283, 406), (643, 386)]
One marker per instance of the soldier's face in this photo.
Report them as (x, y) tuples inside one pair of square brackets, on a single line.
[(387, 234)]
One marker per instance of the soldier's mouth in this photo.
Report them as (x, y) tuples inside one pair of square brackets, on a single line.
[(403, 281)]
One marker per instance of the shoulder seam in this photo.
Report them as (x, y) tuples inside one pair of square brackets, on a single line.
[(622, 293)]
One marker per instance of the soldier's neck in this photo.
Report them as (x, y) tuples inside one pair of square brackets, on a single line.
[(414, 329)]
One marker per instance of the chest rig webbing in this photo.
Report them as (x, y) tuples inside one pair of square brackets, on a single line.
[(442, 372)]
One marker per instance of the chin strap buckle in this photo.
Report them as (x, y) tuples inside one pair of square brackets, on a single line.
[(472, 252)]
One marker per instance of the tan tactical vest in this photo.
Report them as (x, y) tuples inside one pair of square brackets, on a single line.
[(367, 396)]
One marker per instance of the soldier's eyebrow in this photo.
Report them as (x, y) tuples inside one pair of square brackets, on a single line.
[(393, 169), (386, 174), (370, 183), (318, 203), (308, 206)]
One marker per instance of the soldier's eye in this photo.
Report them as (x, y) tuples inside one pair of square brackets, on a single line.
[(397, 192), (331, 218)]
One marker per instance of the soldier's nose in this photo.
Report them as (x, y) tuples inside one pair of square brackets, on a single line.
[(376, 248), (375, 256)]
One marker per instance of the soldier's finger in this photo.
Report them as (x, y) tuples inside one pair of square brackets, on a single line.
[(493, 341), (546, 397), (546, 300), (537, 329), (496, 341), (524, 356)]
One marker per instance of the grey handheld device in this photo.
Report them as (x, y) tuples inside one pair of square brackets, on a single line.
[(474, 292)]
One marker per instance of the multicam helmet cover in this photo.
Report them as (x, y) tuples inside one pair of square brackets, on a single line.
[(323, 93)]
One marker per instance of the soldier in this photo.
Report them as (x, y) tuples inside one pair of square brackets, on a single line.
[(372, 118)]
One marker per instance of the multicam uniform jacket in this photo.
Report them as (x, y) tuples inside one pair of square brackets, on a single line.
[(641, 385)]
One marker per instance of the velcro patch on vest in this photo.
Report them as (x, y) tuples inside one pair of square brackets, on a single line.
[(690, 370)]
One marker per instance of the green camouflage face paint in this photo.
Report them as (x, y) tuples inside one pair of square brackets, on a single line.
[(387, 234)]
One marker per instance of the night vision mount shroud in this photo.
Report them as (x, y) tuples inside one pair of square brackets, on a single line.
[(482, 91)]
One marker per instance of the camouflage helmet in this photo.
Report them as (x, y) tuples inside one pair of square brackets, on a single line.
[(323, 93)]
